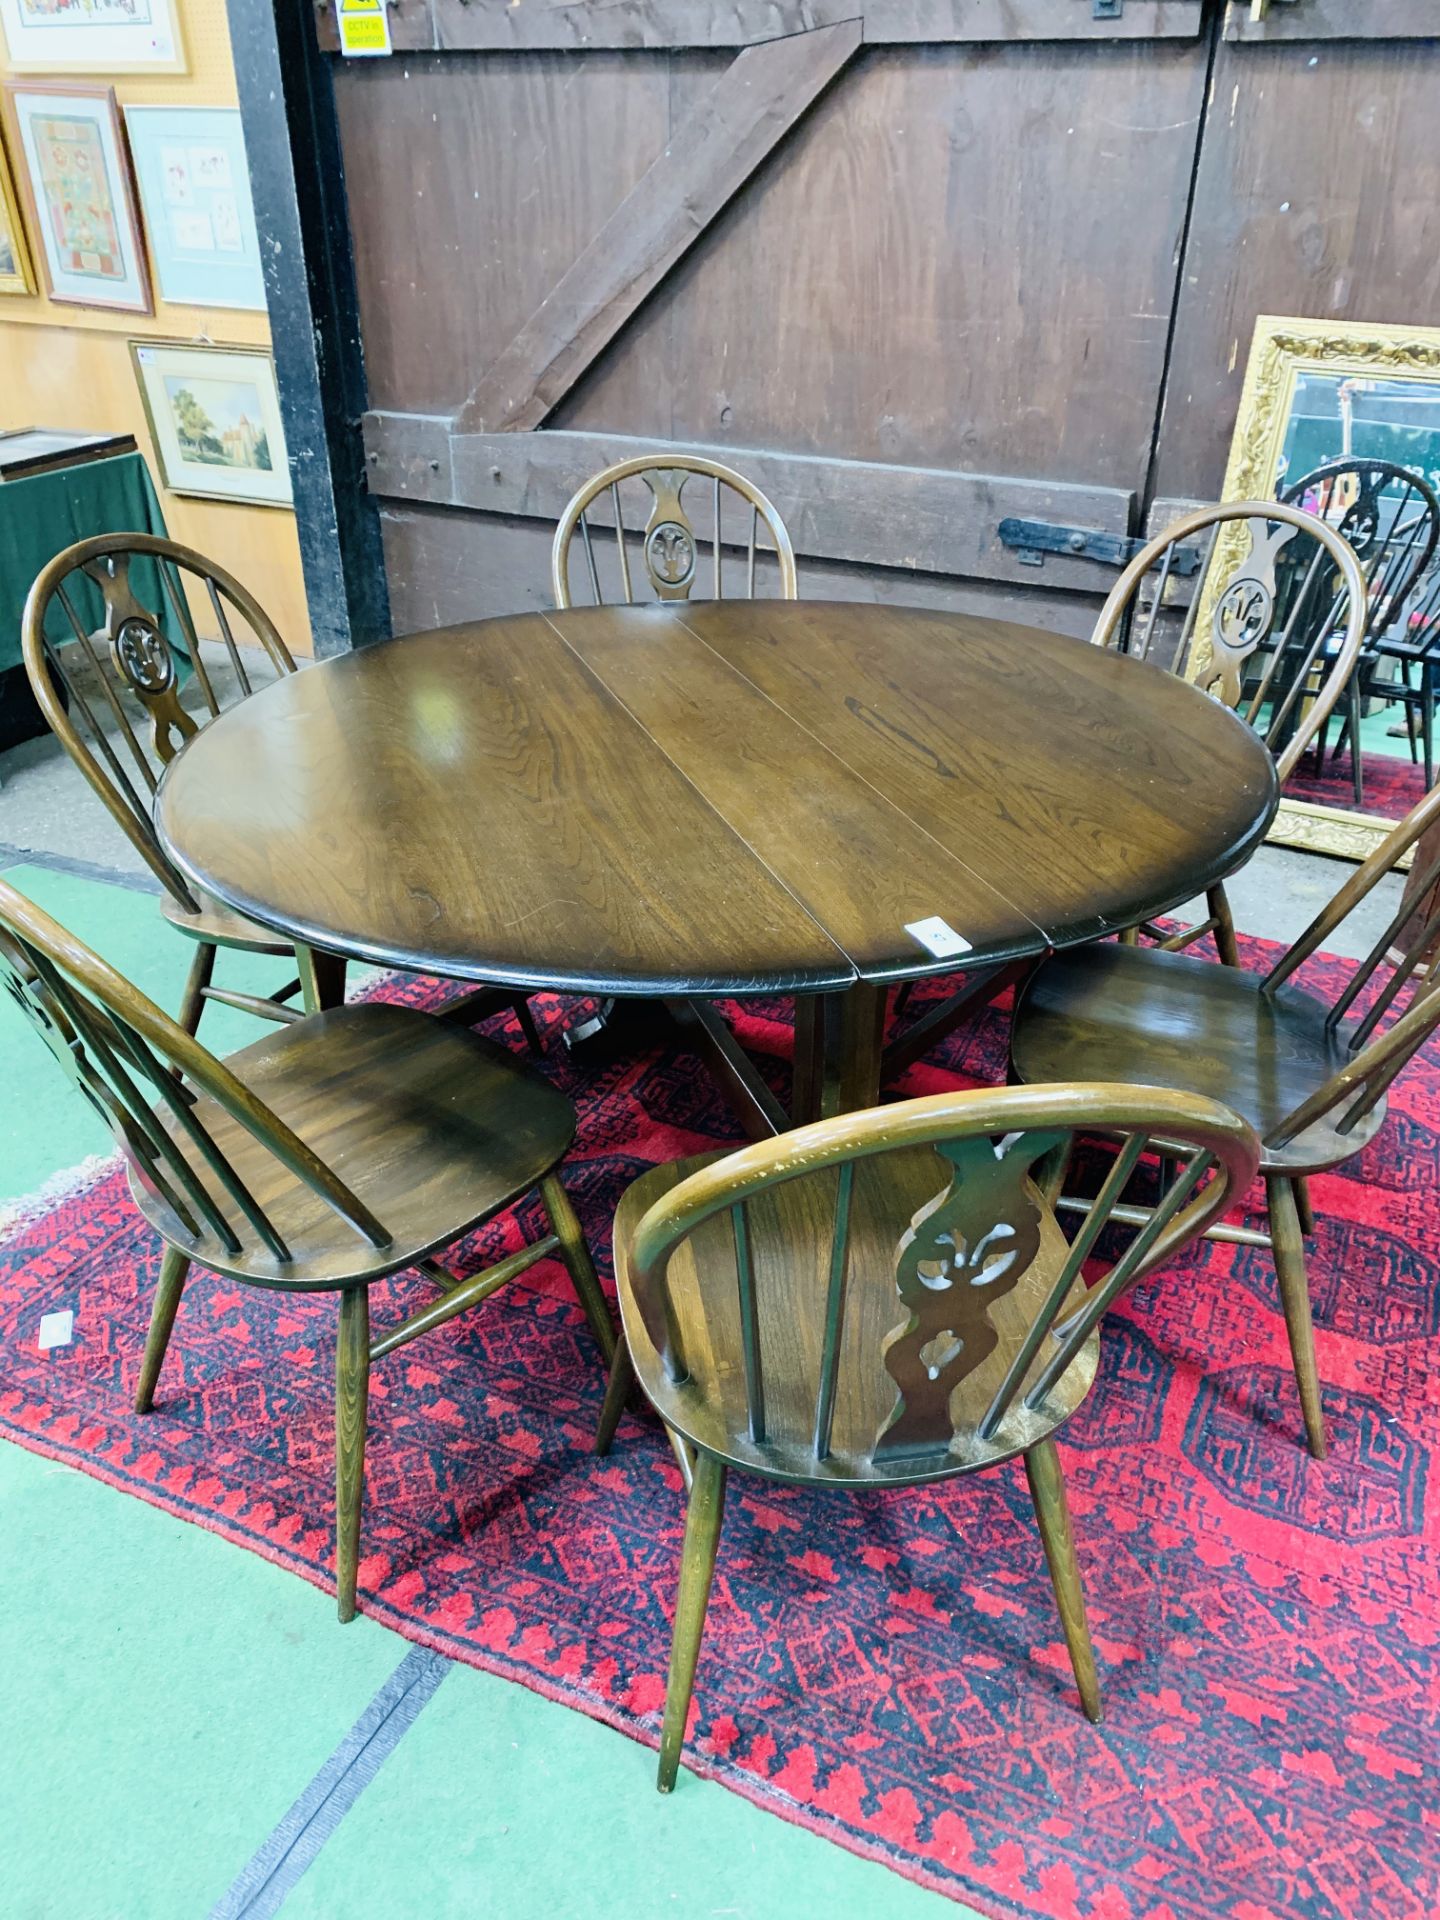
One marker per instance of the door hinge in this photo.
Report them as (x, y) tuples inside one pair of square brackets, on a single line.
[(1031, 540)]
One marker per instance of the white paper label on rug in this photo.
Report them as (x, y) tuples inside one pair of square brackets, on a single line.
[(938, 937), (56, 1329)]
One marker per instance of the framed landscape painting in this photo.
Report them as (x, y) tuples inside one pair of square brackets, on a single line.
[(15, 273), (195, 196), (214, 416), (78, 178), (92, 36)]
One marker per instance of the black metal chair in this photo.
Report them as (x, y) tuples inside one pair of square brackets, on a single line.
[(1391, 517)]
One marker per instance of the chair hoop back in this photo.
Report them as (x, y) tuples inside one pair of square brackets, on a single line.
[(1387, 514), (1302, 603), (1376, 992), (671, 538), (949, 1265), (109, 639), (126, 1056)]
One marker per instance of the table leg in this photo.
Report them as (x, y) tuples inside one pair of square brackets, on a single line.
[(838, 1043), (619, 1027)]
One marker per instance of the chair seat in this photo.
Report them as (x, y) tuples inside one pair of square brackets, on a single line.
[(433, 1127), (223, 927), (790, 1249), (1111, 1012), (1398, 649)]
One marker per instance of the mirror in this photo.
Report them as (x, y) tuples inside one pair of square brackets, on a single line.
[(1344, 419)]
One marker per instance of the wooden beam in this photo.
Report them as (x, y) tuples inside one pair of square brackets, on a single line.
[(753, 105), (1335, 20), (495, 26), (578, 26), (934, 22), (927, 519)]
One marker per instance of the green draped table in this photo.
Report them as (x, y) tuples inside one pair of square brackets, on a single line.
[(40, 516)]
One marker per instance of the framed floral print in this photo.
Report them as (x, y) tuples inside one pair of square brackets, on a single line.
[(16, 275), (214, 416), (77, 171), (92, 36), (195, 196)]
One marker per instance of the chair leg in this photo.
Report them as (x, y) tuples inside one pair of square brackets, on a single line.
[(1225, 941), (1427, 723), (173, 1269), (1288, 1245), (1047, 1490), (576, 1255), (1303, 1208), (697, 1569), (192, 1000), (352, 1392), (1317, 749), (622, 1378), (322, 979), (527, 1024), (1357, 758)]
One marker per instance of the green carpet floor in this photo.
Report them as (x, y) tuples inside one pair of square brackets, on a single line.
[(172, 1700)]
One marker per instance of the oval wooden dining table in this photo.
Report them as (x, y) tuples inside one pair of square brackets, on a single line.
[(698, 802)]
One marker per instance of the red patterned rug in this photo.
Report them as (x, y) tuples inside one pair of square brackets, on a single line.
[(1392, 785), (887, 1669)]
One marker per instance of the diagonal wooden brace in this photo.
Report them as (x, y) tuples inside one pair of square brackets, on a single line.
[(752, 106)]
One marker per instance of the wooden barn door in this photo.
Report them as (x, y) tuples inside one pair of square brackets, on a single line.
[(911, 264), (1316, 194)]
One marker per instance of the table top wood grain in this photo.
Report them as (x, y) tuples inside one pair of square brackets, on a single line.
[(728, 798)]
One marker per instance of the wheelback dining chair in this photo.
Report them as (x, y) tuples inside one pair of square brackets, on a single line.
[(1390, 517), (1267, 615), (886, 1299), (119, 670), (1275, 607), (236, 1163), (671, 541), (110, 646), (1310, 1077), (1413, 646)]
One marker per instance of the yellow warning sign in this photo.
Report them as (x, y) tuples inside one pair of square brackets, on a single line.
[(364, 27)]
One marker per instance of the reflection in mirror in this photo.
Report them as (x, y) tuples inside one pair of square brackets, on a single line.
[(1343, 420)]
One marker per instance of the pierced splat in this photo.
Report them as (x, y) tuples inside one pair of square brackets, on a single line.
[(1245, 612), (142, 656), (669, 536), (963, 1251)]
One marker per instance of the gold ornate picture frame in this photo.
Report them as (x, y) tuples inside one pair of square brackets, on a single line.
[(17, 275), (1281, 350)]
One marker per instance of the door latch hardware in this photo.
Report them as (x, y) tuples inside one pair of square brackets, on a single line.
[(1031, 540)]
